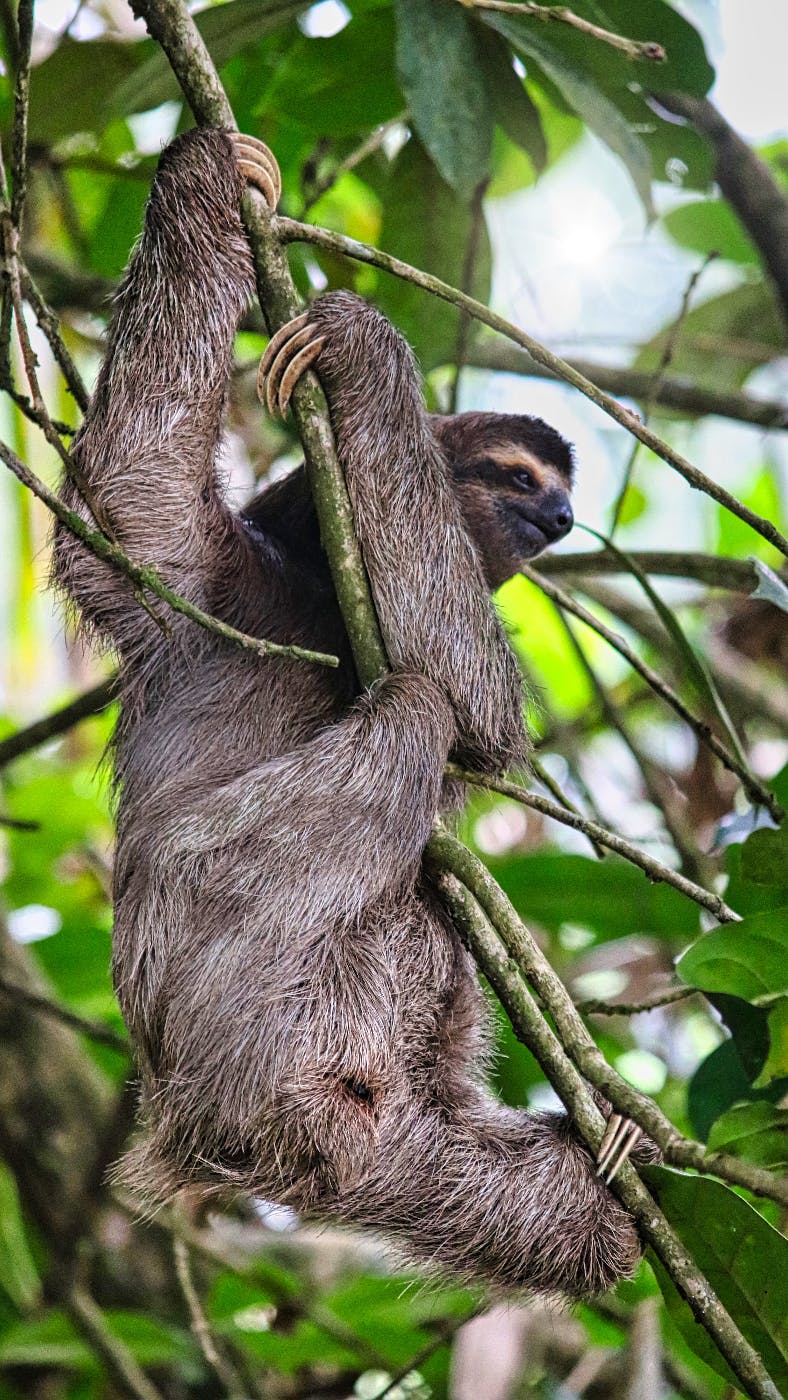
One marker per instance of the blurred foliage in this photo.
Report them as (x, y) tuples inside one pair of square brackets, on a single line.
[(470, 99)]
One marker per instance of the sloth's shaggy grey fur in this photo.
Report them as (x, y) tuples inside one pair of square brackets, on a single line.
[(307, 1023)]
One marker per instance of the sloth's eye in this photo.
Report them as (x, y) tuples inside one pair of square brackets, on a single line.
[(525, 480)]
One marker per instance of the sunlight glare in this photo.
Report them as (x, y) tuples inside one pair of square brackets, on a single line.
[(587, 233)]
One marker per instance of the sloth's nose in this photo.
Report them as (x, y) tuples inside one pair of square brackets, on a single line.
[(558, 518)]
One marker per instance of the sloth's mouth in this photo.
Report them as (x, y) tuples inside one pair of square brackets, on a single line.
[(531, 540)]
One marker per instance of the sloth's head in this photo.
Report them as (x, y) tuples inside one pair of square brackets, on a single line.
[(514, 478)]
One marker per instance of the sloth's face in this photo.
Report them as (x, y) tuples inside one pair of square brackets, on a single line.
[(530, 498), (514, 481)]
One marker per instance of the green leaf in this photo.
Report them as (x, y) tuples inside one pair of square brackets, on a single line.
[(73, 89), (82, 85), (342, 86), (226, 29), (512, 105), (774, 1075), (744, 1259), (599, 113), (770, 586), (764, 856), (18, 1274), (710, 226), (748, 959), (757, 1131), (52, 1341), (609, 897), (717, 1084), (686, 67), (426, 223), (445, 89)]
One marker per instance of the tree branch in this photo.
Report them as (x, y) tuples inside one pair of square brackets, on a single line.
[(90, 702), (146, 577), (94, 1030), (755, 789), (746, 182), (654, 869), (633, 48), (293, 231), (716, 571), (119, 1361), (449, 854), (481, 931), (693, 400)]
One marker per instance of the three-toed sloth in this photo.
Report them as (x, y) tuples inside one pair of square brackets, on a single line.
[(307, 1022)]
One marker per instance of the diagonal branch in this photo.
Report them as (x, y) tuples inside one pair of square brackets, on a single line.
[(755, 789), (293, 231), (146, 577), (633, 48), (654, 869)]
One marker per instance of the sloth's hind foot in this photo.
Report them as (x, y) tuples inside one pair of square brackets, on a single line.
[(621, 1136), (288, 355), (257, 165)]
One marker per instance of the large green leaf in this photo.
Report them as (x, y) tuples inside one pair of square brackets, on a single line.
[(757, 1131), (82, 85), (18, 1273), (512, 105), (717, 1084), (748, 959), (584, 96), (710, 226), (342, 86), (226, 29), (744, 1259), (609, 897), (425, 223), (686, 67), (445, 90), (52, 1341)]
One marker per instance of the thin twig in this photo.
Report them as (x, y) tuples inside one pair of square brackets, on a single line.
[(655, 784), (94, 1030), (654, 869), (294, 232), (49, 325), (755, 790), (119, 1361), (220, 1365), (366, 148), (146, 577), (90, 702), (593, 1006), (633, 48), (660, 373), (444, 1333)]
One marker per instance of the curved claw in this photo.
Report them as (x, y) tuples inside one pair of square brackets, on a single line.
[(621, 1136), (290, 352), (257, 165)]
